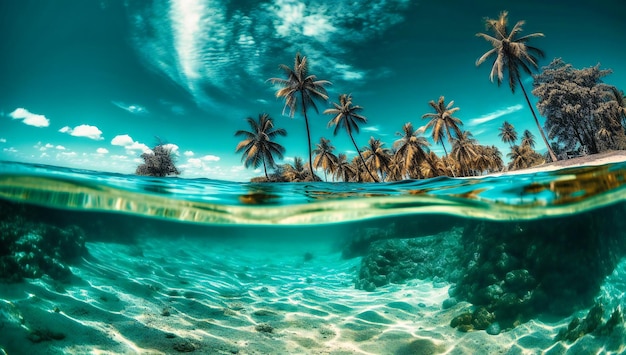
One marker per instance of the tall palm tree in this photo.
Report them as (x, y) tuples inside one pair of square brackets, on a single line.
[(258, 145), (324, 157), (442, 122), (512, 54), (301, 87), (464, 151), (411, 148), (344, 169), (528, 139), (377, 157), (348, 116), (508, 133)]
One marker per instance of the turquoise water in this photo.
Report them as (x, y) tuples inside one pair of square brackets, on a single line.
[(104, 263)]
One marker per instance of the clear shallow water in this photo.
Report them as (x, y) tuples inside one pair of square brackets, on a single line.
[(123, 264)]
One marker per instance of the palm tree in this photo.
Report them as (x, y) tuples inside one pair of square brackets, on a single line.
[(302, 87), (324, 157), (377, 157), (432, 166), (410, 148), (464, 151), (348, 116), (528, 139), (508, 133), (442, 122), (258, 145), (343, 168), (512, 55), (395, 170)]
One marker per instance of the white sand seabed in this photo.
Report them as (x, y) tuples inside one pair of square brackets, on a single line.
[(180, 295)]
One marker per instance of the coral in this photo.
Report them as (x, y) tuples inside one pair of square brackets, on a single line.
[(32, 249)]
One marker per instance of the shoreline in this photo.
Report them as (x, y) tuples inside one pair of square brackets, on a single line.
[(614, 156)]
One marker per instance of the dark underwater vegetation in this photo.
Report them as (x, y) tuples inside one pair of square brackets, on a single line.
[(123, 264)]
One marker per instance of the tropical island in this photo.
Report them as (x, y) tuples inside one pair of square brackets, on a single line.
[(583, 116)]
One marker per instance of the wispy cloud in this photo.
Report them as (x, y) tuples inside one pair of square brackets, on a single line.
[(374, 129), (102, 151), (207, 46), (496, 114), (3, 140), (134, 109), (31, 119), (87, 131)]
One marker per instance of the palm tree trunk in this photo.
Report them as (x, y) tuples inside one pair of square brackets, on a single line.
[(308, 134), (543, 135), (361, 156), (265, 169)]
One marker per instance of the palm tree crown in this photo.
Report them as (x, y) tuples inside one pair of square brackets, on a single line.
[(508, 133), (528, 139), (511, 51), (258, 145), (442, 122), (300, 89), (324, 156), (512, 54), (411, 148), (348, 115), (377, 157)]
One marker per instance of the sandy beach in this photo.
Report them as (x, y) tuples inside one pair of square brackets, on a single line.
[(609, 157)]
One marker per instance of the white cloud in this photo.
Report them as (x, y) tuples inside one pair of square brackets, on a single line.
[(348, 73), (30, 119), (9, 150), (496, 114), (68, 154), (210, 158), (194, 162), (139, 146), (134, 109), (122, 140), (60, 147), (172, 147), (83, 130), (126, 141), (371, 129), (43, 147), (3, 140), (293, 17), (188, 153), (102, 151)]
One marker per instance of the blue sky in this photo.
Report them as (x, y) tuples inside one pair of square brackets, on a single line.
[(91, 84)]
